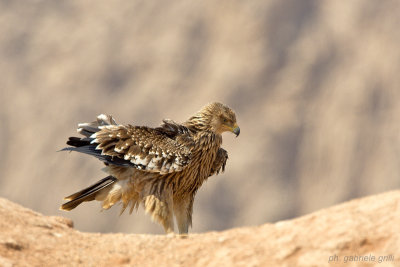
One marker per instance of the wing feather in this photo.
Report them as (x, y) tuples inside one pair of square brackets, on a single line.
[(143, 146), (164, 149)]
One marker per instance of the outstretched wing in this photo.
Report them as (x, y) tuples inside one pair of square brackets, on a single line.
[(140, 147)]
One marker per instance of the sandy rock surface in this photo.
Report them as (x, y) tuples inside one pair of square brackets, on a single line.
[(367, 228)]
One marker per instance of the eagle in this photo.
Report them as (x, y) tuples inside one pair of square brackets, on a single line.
[(158, 168)]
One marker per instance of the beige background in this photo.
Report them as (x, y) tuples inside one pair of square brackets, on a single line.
[(315, 85)]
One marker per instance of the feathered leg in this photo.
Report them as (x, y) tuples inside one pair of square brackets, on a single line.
[(160, 209), (183, 209)]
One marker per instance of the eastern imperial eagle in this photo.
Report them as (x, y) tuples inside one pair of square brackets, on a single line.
[(161, 168)]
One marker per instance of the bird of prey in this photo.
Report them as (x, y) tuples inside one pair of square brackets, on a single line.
[(159, 168)]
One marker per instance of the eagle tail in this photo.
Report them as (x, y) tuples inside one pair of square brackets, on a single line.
[(89, 193)]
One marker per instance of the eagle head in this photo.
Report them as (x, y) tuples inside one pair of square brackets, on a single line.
[(216, 117)]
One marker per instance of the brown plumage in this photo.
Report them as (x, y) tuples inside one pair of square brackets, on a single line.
[(161, 168)]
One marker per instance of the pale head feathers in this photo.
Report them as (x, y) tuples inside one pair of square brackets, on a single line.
[(215, 117)]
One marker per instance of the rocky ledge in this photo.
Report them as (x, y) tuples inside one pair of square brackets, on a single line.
[(361, 232)]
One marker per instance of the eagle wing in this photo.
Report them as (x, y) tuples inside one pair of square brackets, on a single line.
[(165, 149), (220, 162)]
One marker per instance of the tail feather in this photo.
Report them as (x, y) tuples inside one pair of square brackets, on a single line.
[(87, 194)]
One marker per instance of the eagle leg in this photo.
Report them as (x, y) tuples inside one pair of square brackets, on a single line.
[(183, 209), (160, 210)]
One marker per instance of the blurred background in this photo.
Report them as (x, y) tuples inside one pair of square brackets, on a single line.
[(315, 86)]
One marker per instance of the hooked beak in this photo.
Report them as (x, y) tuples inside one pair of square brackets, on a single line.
[(236, 130)]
